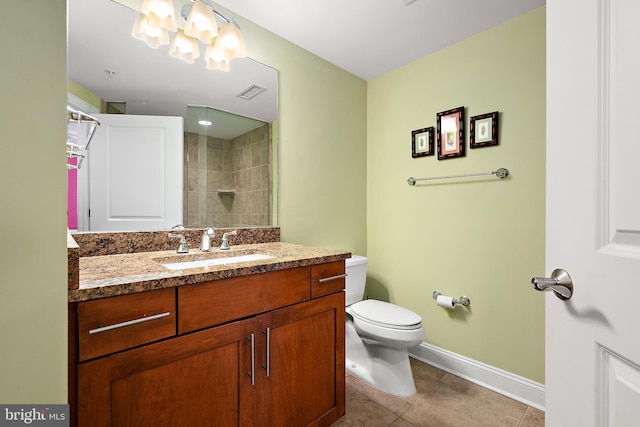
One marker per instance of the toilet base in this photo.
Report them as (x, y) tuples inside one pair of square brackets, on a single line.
[(387, 369)]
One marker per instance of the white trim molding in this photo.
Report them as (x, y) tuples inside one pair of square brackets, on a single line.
[(511, 385)]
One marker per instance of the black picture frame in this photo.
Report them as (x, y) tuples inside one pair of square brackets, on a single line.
[(483, 130), (422, 142)]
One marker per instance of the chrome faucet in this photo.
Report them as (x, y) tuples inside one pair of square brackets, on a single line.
[(182, 249), (225, 241), (205, 243)]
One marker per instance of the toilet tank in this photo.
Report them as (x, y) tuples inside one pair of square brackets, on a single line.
[(356, 267)]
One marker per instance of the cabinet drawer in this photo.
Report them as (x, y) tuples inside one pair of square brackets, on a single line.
[(327, 278), (213, 303), (117, 323)]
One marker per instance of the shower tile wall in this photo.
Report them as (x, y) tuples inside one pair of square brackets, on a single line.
[(241, 164), (250, 170), (195, 174)]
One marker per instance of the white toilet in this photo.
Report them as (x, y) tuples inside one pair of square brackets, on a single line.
[(378, 336)]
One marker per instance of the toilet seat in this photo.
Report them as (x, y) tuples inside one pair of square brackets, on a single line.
[(386, 315)]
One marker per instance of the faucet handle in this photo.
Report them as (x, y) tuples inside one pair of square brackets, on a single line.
[(225, 241), (182, 249)]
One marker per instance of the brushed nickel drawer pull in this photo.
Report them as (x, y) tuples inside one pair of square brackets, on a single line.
[(252, 373), (129, 323), (326, 279), (267, 367)]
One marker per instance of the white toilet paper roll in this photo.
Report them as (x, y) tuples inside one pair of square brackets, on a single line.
[(444, 301)]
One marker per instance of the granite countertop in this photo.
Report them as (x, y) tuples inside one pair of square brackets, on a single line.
[(120, 274)]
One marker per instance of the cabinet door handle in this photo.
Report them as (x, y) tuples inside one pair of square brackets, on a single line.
[(267, 332), (129, 323), (251, 373), (327, 279)]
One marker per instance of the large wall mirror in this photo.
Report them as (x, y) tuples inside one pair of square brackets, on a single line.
[(229, 145)]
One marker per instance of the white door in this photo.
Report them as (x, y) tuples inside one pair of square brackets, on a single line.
[(135, 173), (593, 212)]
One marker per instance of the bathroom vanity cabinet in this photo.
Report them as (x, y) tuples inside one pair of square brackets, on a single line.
[(260, 350)]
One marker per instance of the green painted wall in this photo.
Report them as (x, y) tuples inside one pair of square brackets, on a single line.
[(84, 94), (483, 238), (33, 254), (322, 139)]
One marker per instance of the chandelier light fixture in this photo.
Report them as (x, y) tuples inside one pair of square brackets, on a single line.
[(157, 18)]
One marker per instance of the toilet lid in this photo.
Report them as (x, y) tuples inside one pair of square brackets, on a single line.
[(386, 314)]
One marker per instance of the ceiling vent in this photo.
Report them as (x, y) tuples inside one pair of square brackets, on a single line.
[(251, 92)]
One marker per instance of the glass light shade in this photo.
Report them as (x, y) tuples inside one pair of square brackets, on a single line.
[(214, 52), (160, 14), (201, 22), (214, 57), (152, 36), (220, 66), (184, 47), (231, 41)]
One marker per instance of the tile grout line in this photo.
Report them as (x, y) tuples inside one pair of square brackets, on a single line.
[(523, 417), (430, 383)]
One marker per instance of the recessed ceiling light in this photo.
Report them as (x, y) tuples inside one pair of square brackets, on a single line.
[(204, 122)]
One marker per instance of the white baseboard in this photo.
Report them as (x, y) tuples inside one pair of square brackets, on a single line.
[(498, 380)]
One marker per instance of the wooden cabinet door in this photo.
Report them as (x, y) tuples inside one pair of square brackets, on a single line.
[(200, 379), (305, 382)]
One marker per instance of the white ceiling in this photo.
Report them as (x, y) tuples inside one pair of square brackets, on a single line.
[(371, 37)]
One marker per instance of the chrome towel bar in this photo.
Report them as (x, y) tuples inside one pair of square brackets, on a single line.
[(500, 173)]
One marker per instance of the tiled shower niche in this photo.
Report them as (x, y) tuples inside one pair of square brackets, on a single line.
[(228, 183)]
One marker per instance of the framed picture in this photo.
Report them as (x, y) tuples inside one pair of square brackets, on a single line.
[(451, 133), (484, 130), (422, 142)]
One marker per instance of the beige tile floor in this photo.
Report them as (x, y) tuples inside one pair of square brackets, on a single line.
[(442, 400)]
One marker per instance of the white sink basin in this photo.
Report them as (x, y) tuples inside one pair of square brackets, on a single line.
[(215, 261)]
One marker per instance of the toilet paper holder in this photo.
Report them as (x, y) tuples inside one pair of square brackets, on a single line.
[(462, 301)]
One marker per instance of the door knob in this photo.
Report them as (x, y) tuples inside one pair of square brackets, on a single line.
[(560, 283)]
